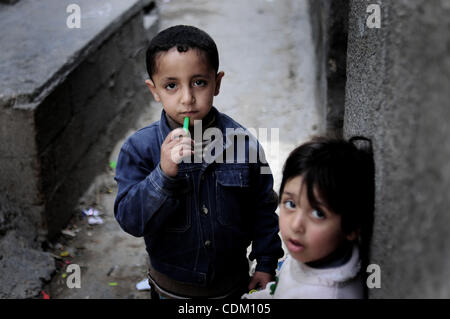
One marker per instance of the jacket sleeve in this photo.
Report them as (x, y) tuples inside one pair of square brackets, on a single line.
[(266, 243), (145, 197)]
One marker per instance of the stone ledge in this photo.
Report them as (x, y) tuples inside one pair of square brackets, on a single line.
[(31, 65), (53, 144), (64, 104), (8, 1)]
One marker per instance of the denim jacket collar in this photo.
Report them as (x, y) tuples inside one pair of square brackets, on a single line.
[(221, 122), (165, 129)]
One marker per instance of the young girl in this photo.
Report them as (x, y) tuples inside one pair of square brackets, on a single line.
[(326, 210)]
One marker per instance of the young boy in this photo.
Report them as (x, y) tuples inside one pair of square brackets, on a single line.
[(197, 216), (326, 205)]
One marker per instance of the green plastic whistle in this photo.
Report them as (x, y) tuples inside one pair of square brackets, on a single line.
[(186, 124)]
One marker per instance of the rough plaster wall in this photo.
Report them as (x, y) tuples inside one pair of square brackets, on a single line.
[(397, 94), (53, 111), (18, 169), (329, 30), (22, 263), (8, 1), (68, 139), (319, 11), (91, 106)]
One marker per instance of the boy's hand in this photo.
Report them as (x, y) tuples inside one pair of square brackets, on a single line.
[(175, 147), (260, 280)]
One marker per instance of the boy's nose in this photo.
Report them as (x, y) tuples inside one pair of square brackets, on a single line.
[(187, 97), (298, 222)]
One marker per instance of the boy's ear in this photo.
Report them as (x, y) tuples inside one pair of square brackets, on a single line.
[(219, 77), (152, 89)]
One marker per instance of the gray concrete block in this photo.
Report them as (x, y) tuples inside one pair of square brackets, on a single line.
[(35, 268), (397, 95), (53, 114), (39, 50), (329, 23), (8, 1), (66, 98), (19, 245)]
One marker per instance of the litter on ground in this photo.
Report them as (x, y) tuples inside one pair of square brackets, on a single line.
[(143, 285)]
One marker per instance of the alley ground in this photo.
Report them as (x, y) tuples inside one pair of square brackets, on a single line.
[(267, 55)]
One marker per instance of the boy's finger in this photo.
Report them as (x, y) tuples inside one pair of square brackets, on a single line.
[(183, 147), (177, 133), (181, 141), (174, 134), (186, 141), (179, 152)]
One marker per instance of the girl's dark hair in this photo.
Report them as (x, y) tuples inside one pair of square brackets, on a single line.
[(182, 37), (341, 173)]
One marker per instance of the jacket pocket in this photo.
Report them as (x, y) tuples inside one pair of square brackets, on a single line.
[(232, 195), (180, 220)]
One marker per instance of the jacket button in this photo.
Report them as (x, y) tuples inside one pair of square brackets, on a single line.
[(207, 243), (205, 210)]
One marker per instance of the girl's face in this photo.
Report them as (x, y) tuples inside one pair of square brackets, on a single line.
[(309, 234)]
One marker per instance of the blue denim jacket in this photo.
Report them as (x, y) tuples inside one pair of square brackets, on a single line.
[(198, 225)]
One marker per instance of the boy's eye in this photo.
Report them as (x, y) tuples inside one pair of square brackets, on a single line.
[(289, 204), (318, 214), (199, 83), (171, 86)]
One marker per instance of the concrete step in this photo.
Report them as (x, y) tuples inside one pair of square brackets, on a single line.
[(66, 96)]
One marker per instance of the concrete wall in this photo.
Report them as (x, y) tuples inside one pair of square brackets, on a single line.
[(67, 97), (8, 1), (329, 24), (94, 101), (398, 95), (57, 129)]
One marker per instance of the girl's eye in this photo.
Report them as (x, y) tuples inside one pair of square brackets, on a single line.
[(289, 204), (199, 83), (171, 86), (318, 214)]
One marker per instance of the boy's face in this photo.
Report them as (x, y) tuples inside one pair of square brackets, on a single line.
[(309, 234), (185, 84)]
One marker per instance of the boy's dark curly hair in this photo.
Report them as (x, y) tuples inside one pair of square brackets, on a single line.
[(182, 37)]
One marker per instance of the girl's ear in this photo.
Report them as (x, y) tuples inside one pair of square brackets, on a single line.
[(353, 235), (153, 90), (219, 77)]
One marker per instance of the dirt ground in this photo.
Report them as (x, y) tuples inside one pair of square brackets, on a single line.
[(111, 261)]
